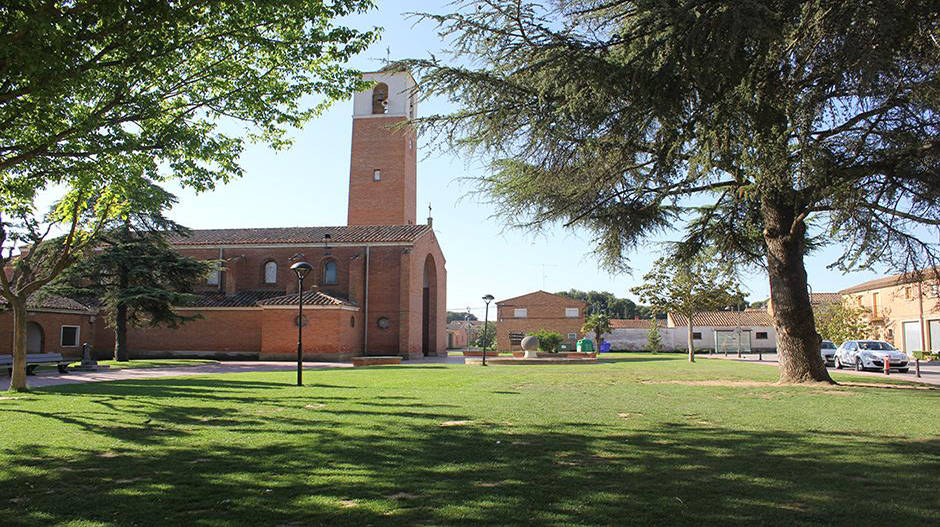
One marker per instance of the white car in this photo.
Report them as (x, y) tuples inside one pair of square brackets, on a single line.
[(828, 351), (870, 354)]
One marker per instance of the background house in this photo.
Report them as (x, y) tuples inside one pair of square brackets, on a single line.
[(55, 324), (539, 310), (903, 309)]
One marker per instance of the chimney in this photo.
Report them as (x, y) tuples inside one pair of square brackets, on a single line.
[(232, 267)]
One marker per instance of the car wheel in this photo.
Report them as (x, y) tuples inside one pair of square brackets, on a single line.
[(858, 364), (903, 370), (838, 363)]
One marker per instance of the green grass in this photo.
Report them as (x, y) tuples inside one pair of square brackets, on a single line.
[(639, 439)]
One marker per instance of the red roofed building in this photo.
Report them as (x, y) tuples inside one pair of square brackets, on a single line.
[(379, 283)]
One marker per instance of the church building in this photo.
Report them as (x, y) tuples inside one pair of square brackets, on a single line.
[(379, 282)]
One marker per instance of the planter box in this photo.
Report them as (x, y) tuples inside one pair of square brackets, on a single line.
[(376, 360), (480, 354), (581, 355)]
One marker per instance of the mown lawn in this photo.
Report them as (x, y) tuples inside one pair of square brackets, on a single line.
[(638, 440)]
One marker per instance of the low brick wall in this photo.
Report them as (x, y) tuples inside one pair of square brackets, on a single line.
[(375, 361), (480, 354)]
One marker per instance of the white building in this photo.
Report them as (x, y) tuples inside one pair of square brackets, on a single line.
[(713, 330)]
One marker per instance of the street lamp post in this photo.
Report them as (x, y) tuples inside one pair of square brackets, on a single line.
[(301, 269), (486, 320)]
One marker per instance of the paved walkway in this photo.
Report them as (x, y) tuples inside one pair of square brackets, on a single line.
[(54, 378), (929, 371)]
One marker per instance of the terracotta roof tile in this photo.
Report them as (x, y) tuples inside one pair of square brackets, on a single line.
[(311, 298), (819, 299), (303, 235), (239, 299), (893, 280), (725, 318), (47, 301), (621, 323)]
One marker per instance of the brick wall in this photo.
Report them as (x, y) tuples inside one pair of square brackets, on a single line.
[(544, 311), (328, 334), (390, 201), (51, 324), (220, 330), (244, 267)]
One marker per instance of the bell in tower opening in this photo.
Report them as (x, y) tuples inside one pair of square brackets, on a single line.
[(383, 163)]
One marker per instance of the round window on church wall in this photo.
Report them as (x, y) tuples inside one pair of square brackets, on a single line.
[(299, 322), (382, 322)]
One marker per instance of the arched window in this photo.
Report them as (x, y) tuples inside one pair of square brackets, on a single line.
[(380, 98), (270, 273), (329, 272)]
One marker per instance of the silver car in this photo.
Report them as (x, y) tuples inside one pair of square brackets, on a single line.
[(828, 351), (870, 354)]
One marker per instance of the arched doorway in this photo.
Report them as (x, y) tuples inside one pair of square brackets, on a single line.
[(429, 308), (35, 338)]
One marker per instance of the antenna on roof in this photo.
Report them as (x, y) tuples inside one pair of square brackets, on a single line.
[(544, 274)]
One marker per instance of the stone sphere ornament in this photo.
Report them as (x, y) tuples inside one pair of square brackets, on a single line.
[(531, 345)]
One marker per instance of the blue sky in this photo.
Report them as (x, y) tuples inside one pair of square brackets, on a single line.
[(307, 185)]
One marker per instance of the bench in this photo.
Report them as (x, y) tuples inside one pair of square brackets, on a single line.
[(376, 360), (34, 360)]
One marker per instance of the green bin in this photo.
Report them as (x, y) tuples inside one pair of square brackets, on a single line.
[(586, 345)]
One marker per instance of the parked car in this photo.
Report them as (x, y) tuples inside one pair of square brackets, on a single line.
[(828, 352), (870, 354)]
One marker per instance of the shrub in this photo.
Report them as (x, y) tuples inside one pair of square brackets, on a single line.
[(548, 340)]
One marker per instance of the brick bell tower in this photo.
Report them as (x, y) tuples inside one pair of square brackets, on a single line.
[(383, 165)]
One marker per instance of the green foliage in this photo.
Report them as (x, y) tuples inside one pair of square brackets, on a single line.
[(762, 129), (486, 337), (98, 99), (548, 340), (604, 302), (599, 324), (135, 275), (688, 288), (654, 340), (840, 322), (460, 316)]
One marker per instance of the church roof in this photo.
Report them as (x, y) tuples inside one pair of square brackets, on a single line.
[(268, 298), (303, 235), (311, 298), (239, 299)]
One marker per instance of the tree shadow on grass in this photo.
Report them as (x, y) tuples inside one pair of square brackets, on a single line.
[(375, 471), (652, 358)]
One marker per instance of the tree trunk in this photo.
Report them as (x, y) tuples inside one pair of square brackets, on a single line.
[(691, 344), (120, 333), (18, 376), (798, 343)]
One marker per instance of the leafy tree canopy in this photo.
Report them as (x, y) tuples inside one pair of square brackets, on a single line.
[(100, 99), (840, 322), (460, 316), (604, 302), (762, 128), (689, 289)]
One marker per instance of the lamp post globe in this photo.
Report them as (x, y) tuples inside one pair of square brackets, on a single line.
[(486, 320), (301, 269)]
